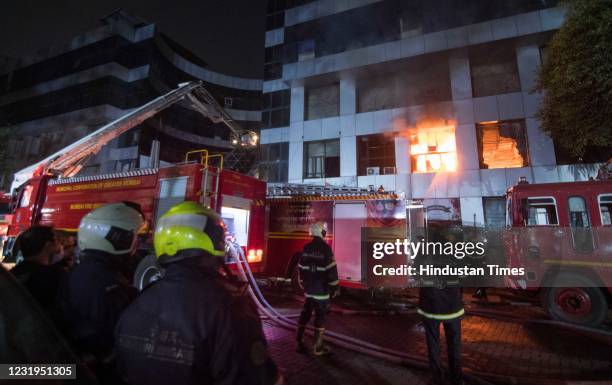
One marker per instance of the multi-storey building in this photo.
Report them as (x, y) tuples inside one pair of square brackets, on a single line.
[(432, 98), (50, 100)]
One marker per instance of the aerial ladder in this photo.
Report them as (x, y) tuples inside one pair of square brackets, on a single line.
[(70, 160)]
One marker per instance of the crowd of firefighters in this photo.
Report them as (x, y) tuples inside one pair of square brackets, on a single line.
[(196, 324)]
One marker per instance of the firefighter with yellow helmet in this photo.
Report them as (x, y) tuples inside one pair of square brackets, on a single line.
[(319, 277), (193, 325)]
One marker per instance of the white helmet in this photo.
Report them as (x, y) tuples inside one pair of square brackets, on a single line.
[(318, 229), (111, 228)]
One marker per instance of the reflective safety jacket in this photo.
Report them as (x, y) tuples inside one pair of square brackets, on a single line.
[(440, 304), (193, 326), (318, 271)]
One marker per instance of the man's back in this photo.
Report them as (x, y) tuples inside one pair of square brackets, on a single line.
[(191, 327), (97, 294)]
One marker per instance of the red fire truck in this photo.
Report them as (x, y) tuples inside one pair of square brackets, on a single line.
[(348, 212), (54, 196), (561, 233)]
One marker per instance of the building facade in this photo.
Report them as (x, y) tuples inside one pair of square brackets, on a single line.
[(431, 98), (50, 100)]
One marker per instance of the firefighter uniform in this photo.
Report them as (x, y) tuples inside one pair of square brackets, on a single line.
[(319, 276), (193, 326), (442, 305)]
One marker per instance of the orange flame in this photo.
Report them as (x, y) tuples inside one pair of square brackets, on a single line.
[(432, 145)]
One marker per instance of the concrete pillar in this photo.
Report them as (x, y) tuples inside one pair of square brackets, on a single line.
[(348, 96), (460, 77), (296, 113), (296, 162), (348, 156)]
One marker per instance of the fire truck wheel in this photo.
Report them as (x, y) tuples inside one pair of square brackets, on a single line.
[(584, 305), (147, 272)]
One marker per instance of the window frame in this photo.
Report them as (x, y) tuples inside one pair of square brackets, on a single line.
[(599, 196), (324, 175), (556, 211)]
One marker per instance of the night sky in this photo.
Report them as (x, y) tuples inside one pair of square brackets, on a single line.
[(227, 34)]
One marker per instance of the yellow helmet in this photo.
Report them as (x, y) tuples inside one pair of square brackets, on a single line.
[(189, 226)]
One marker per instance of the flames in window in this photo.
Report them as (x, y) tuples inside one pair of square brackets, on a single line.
[(433, 147), (502, 144)]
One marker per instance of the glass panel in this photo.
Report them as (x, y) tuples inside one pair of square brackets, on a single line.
[(582, 237), (605, 209), (542, 212)]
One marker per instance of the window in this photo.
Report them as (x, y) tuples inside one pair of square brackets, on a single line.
[(323, 102), (605, 209), (433, 149), (26, 196), (228, 101), (275, 111), (376, 151), (582, 237), (273, 167), (322, 159), (128, 139), (502, 144), (494, 70), (541, 212), (411, 20), (494, 211), (306, 49), (273, 71)]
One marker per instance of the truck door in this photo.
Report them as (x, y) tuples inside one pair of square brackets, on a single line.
[(349, 218)]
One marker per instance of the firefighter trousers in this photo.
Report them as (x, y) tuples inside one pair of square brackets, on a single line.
[(319, 307), (452, 329)]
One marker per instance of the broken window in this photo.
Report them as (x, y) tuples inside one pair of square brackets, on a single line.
[(502, 144), (494, 70), (322, 159), (605, 208), (375, 154), (323, 102), (433, 149)]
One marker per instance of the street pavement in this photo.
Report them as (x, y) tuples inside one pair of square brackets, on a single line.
[(516, 347)]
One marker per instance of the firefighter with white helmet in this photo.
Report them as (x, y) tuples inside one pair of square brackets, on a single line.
[(319, 277), (97, 290), (194, 325)]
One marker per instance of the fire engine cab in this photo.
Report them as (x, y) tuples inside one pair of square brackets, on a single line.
[(562, 234)]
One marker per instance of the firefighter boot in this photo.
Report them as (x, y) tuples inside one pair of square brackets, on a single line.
[(320, 348), (299, 339)]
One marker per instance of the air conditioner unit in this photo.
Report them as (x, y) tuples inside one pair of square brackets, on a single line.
[(389, 170), (373, 171)]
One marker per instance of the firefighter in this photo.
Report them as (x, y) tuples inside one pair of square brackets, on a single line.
[(319, 277), (97, 290), (441, 302), (194, 325)]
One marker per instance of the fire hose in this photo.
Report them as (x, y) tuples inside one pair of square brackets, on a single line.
[(338, 339)]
